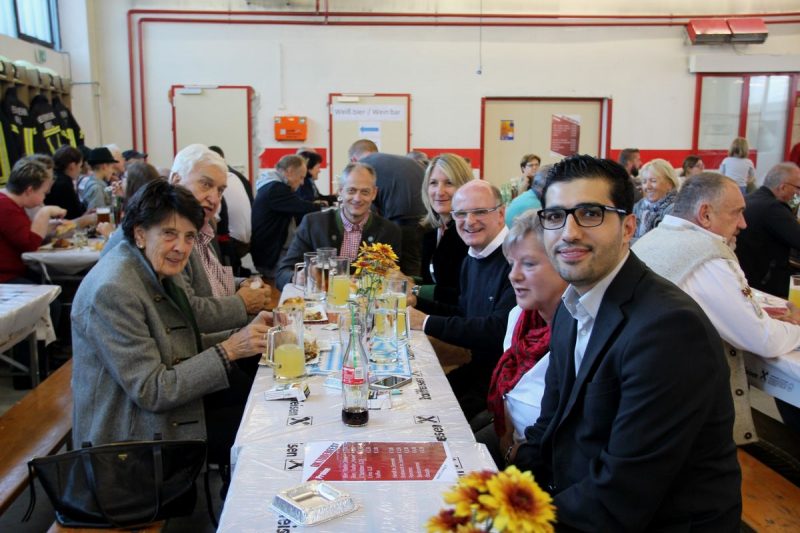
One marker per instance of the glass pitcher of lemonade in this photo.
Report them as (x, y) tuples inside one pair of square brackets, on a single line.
[(285, 351)]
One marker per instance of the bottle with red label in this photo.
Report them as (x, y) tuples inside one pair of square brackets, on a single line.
[(355, 381)]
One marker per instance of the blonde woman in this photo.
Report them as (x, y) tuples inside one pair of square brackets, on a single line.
[(659, 187), (442, 248), (737, 166)]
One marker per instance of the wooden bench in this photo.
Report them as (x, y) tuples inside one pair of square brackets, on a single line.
[(769, 501), (37, 425)]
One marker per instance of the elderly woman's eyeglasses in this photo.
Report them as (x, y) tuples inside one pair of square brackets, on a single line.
[(461, 214), (586, 215)]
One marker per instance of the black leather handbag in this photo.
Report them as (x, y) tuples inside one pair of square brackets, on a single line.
[(122, 484)]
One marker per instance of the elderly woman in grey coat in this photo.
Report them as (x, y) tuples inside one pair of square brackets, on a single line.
[(139, 364)]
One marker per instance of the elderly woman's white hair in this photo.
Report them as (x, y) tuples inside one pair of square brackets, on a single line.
[(662, 167), (194, 155)]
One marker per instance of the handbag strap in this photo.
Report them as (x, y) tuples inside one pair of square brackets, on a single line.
[(158, 473), (32, 491)]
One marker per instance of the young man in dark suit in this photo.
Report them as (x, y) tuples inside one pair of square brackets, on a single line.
[(635, 432)]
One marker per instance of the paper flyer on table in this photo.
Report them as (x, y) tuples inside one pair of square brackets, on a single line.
[(378, 461)]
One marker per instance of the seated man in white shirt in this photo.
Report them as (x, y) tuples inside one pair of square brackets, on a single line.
[(693, 248)]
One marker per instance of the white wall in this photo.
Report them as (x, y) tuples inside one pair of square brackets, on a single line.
[(15, 49), (644, 69)]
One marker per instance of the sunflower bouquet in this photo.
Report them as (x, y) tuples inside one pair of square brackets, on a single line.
[(373, 263), (496, 501)]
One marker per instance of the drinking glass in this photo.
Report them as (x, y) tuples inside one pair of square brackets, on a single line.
[(324, 256), (339, 284), (384, 333), (285, 350), (794, 289), (397, 287), (308, 277)]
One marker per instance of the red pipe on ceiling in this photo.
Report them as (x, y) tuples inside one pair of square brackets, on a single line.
[(658, 20)]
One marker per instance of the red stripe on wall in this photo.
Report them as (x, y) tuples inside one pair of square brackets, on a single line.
[(270, 156), (711, 158), (472, 154)]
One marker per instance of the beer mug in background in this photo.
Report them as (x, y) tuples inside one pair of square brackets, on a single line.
[(339, 282), (285, 351), (324, 256), (308, 277), (794, 289), (103, 214)]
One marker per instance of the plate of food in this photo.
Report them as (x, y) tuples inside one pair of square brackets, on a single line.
[(58, 244), (314, 313)]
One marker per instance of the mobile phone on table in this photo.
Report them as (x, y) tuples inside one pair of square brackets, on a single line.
[(391, 382)]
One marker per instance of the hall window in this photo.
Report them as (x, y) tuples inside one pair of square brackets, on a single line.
[(31, 20), (759, 107)]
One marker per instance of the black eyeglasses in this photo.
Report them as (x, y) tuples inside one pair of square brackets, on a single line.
[(792, 184), (481, 212), (586, 215)]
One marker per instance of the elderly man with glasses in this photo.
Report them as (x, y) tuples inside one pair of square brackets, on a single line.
[(478, 322)]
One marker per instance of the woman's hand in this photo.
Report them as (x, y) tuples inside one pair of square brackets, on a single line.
[(249, 340)]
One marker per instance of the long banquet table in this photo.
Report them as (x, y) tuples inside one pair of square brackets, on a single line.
[(268, 454), (777, 376)]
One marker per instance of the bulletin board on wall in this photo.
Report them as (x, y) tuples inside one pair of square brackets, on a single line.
[(551, 128), (383, 118), (218, 115)]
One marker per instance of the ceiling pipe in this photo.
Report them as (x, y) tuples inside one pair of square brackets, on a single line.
[(579, 21)]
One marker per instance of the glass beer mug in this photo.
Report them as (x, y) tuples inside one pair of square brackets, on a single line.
[(285, 351)]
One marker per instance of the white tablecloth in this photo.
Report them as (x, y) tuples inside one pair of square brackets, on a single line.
[(777, 376), (268, 453), (65, 262), (24, 308), (264, 469)]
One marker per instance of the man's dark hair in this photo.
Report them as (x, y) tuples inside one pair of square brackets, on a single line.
[(157, 201), (626, 154), (587, 167), (217, 149), (27, 172), (65, 156), (312, 159)]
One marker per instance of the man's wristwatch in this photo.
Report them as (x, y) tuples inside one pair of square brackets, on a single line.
[(415, 290)]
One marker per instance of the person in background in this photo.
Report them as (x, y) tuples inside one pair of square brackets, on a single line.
[(529, 165), (693, 249), (133, 156), (274, 215), (420, 157), (525, 201), (692, 166), (308, 190), (63, 193), (28, 184), (140, 365), (346, 228), (737, 166), (478, 322), (517, 385), (772, 231), (659, 186), (631, 160), (399, 196), (118, 166), (235, 214), (94, 186), (443, 251), (637, 416)]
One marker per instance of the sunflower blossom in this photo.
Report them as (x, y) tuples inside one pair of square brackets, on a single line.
[(517, 503), (446, 521), (466, 500)]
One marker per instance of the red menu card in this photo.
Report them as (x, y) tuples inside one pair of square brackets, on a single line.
[(378, 461)]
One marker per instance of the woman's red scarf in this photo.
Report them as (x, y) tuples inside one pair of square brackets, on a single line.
[(530, 342)]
